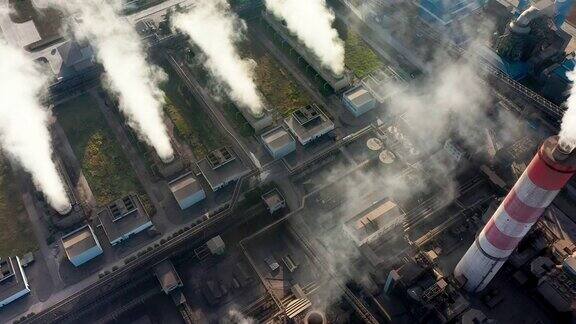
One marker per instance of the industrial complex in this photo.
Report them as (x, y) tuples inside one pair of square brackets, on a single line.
[(430, 180)]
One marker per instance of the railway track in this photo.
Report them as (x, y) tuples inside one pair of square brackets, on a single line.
[(433, 204), (359, 306)]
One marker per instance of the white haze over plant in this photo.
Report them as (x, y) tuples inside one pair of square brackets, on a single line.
[(568, 129), (24, 124), (213, 27), (311, 21), (450, 101), (128, 74)]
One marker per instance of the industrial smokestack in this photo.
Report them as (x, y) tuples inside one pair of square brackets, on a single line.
[(24, 133), (549, 171)]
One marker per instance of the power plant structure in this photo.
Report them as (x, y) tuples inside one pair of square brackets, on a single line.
[(534, 39), (548, 172), (337, 82)]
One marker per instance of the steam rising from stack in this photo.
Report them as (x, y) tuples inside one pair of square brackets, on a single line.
[(24, 133), (311, 21), (568, 130), (136, 82), (216, 31)]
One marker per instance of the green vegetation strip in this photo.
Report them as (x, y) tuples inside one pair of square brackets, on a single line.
[(191, 123), (105, 166), (359, 57), (278, 87), (16, 236)]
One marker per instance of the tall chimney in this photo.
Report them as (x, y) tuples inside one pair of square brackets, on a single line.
[(548, 172), (562, 10)]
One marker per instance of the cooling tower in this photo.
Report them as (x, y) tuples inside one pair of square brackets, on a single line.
[(548, 172)]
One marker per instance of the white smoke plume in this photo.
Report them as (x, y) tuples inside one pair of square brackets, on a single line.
[(129, 75), (234, 316), (213, 27), (568, 129), (311, 21), (24, 133)]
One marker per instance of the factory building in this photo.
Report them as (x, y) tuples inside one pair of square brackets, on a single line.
[(221, 167), (216, 245), (278, 142), (81, 245), (187, 191), (383, 84), (373, 222), (455, 150), (13, 281), (359, 100), (167, 276), (124, 218), (546, 175), (337, 82), (273, 200), (74, 66), (309, 123)]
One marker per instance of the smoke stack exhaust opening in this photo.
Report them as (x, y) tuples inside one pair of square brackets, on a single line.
[(168, 159), (63, 210)]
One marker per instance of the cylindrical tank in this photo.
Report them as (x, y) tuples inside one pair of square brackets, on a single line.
[(548, 172), (315, 317), (562, 11)]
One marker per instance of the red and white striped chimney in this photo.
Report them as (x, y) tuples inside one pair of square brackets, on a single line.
[(548, 172)]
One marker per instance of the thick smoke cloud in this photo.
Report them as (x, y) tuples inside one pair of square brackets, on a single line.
[(568, 130), (311, 21), (216, 31), (24, 133), (120, 51)]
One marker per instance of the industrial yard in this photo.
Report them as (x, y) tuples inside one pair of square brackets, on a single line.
[(243, 161)]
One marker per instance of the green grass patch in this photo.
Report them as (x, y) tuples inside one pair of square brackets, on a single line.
[(281, 91), (191, 123), (234, 116), (16, 236), (359, 57), (105, 166)]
